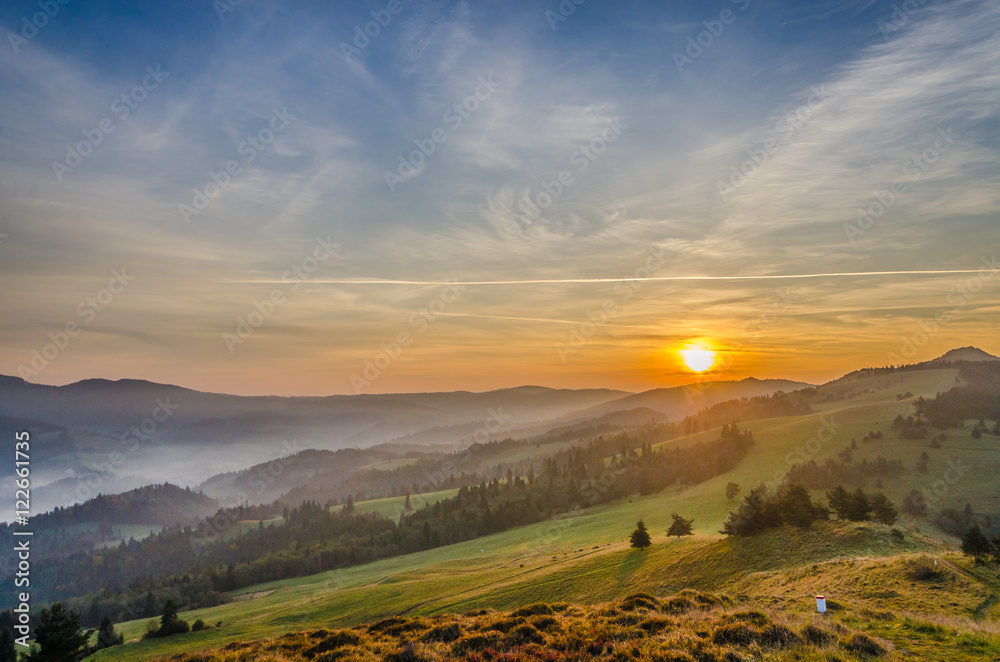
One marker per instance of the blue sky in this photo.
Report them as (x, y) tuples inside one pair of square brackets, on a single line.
[(834, 107)]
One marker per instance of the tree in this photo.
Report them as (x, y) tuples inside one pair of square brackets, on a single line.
[(7, 651), (106, 635), (170, 623), (882, 509), (640, 537), (975, 544), (59, 636), (858, 507), (681, 527), (838, 499), (758, 511), (169, 614), (732, 491), (796, 505), (408, 506)]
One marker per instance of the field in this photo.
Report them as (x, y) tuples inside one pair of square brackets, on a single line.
[(583, 556)]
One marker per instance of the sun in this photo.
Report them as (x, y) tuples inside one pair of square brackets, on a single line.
[(697, 359)]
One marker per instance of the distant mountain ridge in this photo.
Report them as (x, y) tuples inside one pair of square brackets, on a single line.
[(966, 354)]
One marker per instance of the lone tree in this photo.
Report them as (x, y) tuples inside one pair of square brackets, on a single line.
[(106, 635), (975, 544), (680, 526), (169, 616), (640, 537), (732, 491), (58, 636)]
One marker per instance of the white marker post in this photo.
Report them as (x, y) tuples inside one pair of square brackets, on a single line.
[(821, 604)]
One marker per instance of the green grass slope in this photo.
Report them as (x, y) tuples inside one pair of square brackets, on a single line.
[(583, 556)]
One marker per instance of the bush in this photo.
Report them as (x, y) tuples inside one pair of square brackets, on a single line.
[(524, 634), (445, 633), (817, 636), (925, 573), (535, 609), (336, 640), (174, 627), (476, 643), (198, 626), (864, 646), (640, 601)]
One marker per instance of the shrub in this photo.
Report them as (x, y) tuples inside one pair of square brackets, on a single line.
[(676, 605), (198, 626), (817, 636), (655, 625), (476, 643), (506, 624), (524, 634), (397, 625), (544, 623), (752, 627), (535, 610), (925, 573), (706, 599), (640, 601), (444, 633), (864, 646), (333, 642), (174, 627)]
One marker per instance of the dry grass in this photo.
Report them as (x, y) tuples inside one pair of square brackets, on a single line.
[(688, 627)]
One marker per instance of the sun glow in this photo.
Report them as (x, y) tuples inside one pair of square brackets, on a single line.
[(697, 359)]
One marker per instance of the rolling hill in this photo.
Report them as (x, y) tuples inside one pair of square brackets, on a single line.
[(582, 556)]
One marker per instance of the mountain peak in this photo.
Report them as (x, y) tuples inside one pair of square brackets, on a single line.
[(967, 354)]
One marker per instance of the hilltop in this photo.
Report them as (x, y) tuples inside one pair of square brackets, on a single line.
[(966, 354)]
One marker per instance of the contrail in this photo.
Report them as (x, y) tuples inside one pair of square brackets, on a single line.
[(543, 281), (535, 319)]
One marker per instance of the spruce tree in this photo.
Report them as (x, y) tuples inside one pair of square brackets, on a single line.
[(975, 544), (59, 636), (640, 537)]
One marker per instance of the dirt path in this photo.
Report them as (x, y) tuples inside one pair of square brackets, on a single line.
[(990, 600)]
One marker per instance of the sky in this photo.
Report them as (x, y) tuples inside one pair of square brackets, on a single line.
[(318, 198)]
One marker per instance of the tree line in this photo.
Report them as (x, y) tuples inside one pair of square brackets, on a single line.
[(196, 566)]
